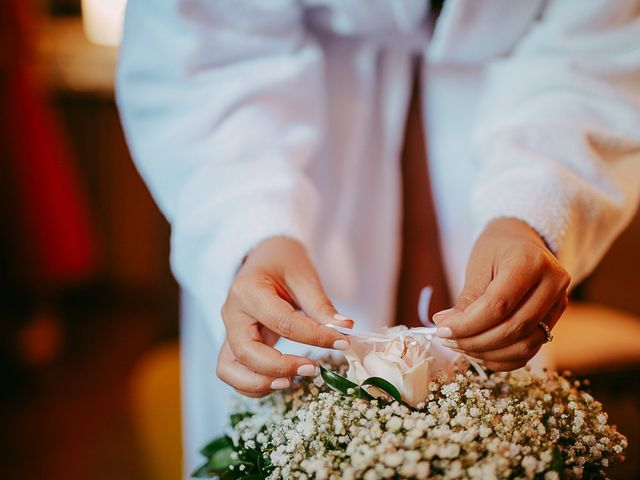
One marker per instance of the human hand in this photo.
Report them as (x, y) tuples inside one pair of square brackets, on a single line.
[(513, 282), (276, 280)]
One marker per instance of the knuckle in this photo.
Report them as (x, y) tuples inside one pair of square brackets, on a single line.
[(325, 308), (517, 329), (565, 280), (499, 305), (283, 369), (284, 325), (221, 372), (238, 287), (465, 299), (224, 311), (535, 259), (242, 353), (559, 277)]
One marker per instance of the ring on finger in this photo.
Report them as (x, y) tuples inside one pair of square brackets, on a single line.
[(547, 332)]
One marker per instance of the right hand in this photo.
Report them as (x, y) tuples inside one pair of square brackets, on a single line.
[(274, 283)]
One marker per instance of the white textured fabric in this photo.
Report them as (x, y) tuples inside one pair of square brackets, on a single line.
[(250, 119)]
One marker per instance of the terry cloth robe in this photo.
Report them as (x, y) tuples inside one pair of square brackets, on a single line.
[(250, 119)]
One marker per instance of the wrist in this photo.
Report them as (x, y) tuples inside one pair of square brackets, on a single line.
[(515, 228)]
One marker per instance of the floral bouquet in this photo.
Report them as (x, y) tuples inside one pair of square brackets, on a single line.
[(403, 406)]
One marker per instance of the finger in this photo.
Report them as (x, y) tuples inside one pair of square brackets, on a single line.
[(230, 371), (310, 296), (252, 394), (556, 312), (475, 284), (281, 318), (535, 309), (505, 366), (525, 348), (501, 297), (249, 349)]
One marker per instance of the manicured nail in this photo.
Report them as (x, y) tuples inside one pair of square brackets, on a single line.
[(444, 332), (440, 315), (346, 321), (280, 383), (307, 370), (340, 344), (450, 343)]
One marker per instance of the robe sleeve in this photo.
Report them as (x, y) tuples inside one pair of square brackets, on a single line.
[(558, 130), (222, 105)]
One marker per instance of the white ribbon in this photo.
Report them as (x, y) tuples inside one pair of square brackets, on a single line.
[(428, 330)]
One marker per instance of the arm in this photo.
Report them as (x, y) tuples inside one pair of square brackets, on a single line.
[(559, 134), (222, 103), (559, 137)]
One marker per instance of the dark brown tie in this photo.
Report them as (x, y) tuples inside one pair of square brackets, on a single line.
[(421, 263)]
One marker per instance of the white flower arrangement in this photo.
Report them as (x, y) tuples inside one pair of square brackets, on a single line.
[(430, 416)]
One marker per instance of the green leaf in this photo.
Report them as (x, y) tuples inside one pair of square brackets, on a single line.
[(557, 462), (336, 382), (385, 386), (215, 445), (221, 459), (362, 393), (203, 472), (218, 453)]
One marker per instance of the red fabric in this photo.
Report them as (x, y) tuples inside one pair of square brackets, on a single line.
[(45, 218)]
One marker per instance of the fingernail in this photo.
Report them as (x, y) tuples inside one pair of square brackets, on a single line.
[(450, 343), (440, 315), (444, 332), (280, 383), (307, 370), (342, 318), (340, 344)]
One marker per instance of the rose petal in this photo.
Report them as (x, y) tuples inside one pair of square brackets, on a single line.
[(378, 365), (407, 361), (445, 358), (415, 382)]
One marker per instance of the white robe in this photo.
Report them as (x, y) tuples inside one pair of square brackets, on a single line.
[(250, 119)]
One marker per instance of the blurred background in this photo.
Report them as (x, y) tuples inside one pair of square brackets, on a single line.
[(88, 307)]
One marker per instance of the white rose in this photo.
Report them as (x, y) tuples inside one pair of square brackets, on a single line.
[(408, 361)]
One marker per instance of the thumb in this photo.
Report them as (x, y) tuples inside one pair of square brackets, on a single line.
[(473, 288), (312, 299)]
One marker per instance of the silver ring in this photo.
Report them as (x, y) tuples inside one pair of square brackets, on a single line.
[(547, 332)]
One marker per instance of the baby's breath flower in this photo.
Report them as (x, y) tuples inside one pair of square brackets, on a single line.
[(511, 425)]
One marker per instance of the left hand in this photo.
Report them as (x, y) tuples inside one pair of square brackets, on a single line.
[(513, 282)]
